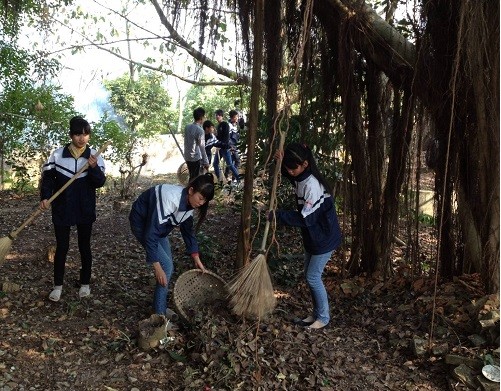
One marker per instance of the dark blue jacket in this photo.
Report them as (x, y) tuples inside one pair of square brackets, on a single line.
[(234, 134), (156, 212), (223, 135), (315, 216), (77, 203)]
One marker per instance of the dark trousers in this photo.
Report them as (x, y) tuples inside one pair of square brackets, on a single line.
[(193, 169), (84, 232)]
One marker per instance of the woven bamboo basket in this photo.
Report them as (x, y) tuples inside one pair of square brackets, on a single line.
[(195, 290)]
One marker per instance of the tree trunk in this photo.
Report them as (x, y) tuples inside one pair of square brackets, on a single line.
[(244, 236), (473, 43), (274, 58), (2, 171), (379, 41), (483, 144), (376, 105), (355, 142), (472, 251), (396, 168)]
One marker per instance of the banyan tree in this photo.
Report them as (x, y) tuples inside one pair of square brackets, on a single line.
[(388, 95), (378, 91), (392, 93)]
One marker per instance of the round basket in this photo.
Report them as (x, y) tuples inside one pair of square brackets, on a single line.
[(183, 174), (195, 290)]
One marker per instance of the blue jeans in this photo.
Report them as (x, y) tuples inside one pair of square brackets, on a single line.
[(235, 158), (226, 155), (165, 258), (314, 266), (162, 292)]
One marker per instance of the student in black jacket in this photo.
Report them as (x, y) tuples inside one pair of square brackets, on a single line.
[(223, 136), (234, 139), (76, 205)]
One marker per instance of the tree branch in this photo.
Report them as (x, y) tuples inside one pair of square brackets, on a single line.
[(202, 58), (159, 68), (379, 41), (105, 43)]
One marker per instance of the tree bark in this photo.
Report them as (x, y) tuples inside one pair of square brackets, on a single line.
[(244, 236), (379, 41), (375, 150), (355, 143), (399, 153), (274, 58)]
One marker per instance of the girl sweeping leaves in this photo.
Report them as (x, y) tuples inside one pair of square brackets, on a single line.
[(76, 205), (155, 213), (317, 219)]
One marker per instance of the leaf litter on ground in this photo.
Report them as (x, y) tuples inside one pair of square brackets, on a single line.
[(92, 344)]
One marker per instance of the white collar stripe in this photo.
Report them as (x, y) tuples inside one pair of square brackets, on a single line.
[(168, 199)]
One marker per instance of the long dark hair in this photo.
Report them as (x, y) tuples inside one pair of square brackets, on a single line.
[(296, 154), (203, 184)]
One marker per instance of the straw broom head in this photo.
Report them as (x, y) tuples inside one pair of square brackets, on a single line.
[(5, 244), (251, 292)]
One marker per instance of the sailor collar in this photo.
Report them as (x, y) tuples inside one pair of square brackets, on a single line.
[(183, 203)]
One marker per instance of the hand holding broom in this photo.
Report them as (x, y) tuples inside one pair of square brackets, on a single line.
[(6, 242), (251, 292)]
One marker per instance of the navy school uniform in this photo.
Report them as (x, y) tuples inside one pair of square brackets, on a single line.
[(77, 203), (315, 216), (156, 212)]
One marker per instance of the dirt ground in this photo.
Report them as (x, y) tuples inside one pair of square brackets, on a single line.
[(92, 344)]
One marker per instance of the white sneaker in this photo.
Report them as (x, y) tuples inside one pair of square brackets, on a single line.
[(55, 295), (84, 291)]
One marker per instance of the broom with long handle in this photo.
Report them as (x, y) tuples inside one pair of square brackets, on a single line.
[(251, 292), (6, 242)]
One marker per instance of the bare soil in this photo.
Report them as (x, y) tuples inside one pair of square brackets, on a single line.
[(92, 344)]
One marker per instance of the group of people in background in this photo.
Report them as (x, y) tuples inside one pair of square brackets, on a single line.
[(202, 138), (162, 208)]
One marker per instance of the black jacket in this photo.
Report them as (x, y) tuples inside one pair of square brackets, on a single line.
[(77, 203), (223, 135)]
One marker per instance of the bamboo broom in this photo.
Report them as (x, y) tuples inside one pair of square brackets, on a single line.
[(251, 292), (6, 242)]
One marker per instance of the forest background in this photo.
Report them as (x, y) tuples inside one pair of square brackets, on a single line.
[(357, 94), (388, 94)]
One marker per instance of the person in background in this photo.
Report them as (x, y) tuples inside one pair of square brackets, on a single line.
[(223, 136), (76, 205), (194, 145), (155, 213), (210, 139), (233, 142), (316, 217)]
